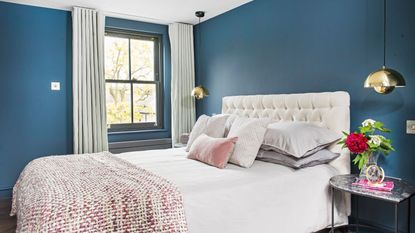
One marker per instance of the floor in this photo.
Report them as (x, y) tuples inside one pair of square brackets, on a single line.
[(7, 223)]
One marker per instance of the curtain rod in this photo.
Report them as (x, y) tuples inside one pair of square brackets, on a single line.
[(127, 16), (136, 17), (90, 8), (132, 17)]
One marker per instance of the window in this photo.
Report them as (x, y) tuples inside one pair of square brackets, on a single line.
[(133, 81)]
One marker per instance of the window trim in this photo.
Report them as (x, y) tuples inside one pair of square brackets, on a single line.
[(158, 79)]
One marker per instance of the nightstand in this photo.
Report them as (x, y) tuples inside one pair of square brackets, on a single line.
[(184, 138), (402, 191)]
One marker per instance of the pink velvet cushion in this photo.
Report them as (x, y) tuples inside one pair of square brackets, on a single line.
[(213, 151)]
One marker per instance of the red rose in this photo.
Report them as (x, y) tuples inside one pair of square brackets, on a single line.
[(357, 143)]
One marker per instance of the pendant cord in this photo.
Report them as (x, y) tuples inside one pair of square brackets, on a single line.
[(384, 33), (200, 50)]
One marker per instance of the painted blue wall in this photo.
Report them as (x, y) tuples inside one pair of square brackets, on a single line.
[(163, 31), (35, 49), (291, 46)]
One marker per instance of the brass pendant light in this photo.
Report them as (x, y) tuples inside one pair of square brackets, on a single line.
[(384, 80), (200, 92)]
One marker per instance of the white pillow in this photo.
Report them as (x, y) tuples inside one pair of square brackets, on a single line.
[(211, 126), (229, 123), (250, 133)]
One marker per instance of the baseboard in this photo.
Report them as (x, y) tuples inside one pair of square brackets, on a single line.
[(6, 192), (140, 145)]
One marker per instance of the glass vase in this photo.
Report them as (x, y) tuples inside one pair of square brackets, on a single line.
[(371, 170)]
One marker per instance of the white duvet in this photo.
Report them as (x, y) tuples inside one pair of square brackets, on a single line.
[(264, 198)]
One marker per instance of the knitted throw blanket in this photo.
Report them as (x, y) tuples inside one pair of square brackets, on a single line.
[(94, 193)]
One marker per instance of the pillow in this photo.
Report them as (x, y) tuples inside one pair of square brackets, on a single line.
[(320, 157), (229, 123), (297, 139), (212, 151), (212, 126), (250, 133)]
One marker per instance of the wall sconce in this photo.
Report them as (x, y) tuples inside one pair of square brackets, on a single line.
[(200, 92)]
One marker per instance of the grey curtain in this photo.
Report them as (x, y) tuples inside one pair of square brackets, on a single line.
[(182, 79), (89, 113)]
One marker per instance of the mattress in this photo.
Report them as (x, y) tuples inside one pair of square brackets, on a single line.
[(264, 198)]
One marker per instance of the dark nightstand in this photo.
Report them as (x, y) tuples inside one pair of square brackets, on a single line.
[(402, 191)]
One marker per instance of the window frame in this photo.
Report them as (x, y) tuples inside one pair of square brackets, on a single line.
[(158, 79)]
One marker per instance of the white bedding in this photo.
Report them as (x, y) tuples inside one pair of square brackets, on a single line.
[(264, 198)]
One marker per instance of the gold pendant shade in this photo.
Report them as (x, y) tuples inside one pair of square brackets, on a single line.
[(384, 80)]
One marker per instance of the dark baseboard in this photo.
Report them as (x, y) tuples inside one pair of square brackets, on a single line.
[(6, 192)]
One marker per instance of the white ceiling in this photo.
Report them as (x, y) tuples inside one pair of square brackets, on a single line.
[(155, 11)]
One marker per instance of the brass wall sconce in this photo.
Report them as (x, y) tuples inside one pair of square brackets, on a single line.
[(200, 92)]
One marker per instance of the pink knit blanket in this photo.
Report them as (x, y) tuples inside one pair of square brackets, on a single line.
[(94, 193)]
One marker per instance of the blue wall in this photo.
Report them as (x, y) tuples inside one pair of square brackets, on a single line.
[(291, 46), (163, 31), (35, 49)]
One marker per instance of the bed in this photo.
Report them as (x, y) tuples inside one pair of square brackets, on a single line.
[(266, 197)]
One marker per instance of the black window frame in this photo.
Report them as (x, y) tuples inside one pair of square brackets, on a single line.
[(158, 79)]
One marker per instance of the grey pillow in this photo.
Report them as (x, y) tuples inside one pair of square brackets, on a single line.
[(297, 139), (320, 157)]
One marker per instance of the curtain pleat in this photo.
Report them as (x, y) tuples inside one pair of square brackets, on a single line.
[(89, 113), (182, 80)]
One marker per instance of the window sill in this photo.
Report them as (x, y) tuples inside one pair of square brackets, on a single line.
[(137, 131)]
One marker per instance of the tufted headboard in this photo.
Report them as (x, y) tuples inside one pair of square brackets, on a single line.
[(326, 109)]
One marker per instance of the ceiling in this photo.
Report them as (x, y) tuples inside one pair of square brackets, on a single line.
[(155, 11)]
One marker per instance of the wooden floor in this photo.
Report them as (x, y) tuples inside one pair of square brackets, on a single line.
[(7, 223)]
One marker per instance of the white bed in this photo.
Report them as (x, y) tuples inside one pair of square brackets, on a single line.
[(266, 197)]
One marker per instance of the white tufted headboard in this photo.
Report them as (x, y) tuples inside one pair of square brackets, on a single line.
[(327, 109)]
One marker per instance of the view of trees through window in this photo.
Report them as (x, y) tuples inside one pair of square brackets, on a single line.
[(131, 79)]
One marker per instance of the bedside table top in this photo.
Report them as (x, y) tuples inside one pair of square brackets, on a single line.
[(402, 190)]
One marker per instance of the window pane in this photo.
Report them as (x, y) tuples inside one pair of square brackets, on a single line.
[(145, 109), (118, 103), (116, 58), (142, 60)]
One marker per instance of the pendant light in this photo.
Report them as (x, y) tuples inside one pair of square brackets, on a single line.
[(199, 92), (384, 80)]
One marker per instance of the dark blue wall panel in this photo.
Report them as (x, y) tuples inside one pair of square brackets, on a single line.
[(292, 46), (35, 49)]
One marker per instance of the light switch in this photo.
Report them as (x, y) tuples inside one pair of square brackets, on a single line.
[(55, 86), (410, 126)]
